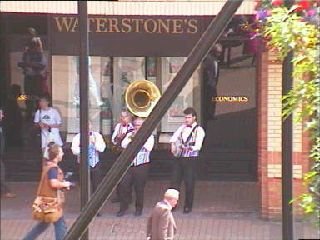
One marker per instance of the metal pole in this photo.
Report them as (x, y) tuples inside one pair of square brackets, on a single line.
[(83, 79), (287, 217), (286, 140), (122, 164)]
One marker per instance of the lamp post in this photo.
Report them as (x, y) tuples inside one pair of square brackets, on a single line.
[(286, 140), (287, 217), (83, 84)]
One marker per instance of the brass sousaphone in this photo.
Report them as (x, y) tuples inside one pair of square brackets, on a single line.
[(141, 96)]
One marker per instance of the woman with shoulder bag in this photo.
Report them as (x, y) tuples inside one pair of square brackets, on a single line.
[(48, 205)]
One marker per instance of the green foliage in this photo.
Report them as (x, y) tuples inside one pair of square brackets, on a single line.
[(286, 31)]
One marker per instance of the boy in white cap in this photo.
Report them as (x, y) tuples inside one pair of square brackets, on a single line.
[(161, 224)]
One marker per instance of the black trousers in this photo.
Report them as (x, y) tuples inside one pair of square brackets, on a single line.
[(117, 194), (210, 94), (4, 187), (184, 169), (136, 177), (95, 177)]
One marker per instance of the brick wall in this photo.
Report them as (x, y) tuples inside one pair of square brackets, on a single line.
[(269, 140)]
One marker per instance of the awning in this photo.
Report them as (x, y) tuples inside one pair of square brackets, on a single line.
[(198, 8)]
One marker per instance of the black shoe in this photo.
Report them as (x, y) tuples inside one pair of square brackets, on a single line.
[(121, 213), (187, 210), (99, 214), (138, 213)]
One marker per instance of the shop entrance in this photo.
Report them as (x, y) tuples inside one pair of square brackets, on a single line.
[(230, 147), (229, 151)]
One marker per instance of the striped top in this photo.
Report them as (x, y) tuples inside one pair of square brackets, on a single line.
[(192, 147), (143, 156)]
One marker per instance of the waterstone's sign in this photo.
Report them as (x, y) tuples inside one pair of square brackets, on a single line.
[(129, 25), (129, 35)]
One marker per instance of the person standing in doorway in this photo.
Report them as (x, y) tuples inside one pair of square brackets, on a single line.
[(13, 120), (96, 146), (5, 191), (161, 224), (211, 77), (34, 66), (49, 120), (137, 174), (186, 144)]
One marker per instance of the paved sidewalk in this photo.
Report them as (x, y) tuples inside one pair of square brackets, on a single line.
[(222, 211)]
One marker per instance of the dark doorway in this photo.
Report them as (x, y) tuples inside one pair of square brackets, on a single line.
[(230, 148)]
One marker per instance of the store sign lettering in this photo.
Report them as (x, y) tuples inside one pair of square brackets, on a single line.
[(130, 25), (231, 99)]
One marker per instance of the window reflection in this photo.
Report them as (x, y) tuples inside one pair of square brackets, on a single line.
[(108, 79)]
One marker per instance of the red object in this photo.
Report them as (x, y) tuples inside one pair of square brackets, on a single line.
[(277, 3), (303, 5)]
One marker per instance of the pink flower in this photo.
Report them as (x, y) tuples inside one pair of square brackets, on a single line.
[(311, 12)]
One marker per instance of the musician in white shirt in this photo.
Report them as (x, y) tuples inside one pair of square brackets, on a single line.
[(137, 174), (122, 128), (186, 144), (96, 146)]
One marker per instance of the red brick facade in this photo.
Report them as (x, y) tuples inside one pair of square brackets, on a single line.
[(269, 139)]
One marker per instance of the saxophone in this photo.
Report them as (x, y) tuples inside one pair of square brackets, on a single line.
[(116, 148)]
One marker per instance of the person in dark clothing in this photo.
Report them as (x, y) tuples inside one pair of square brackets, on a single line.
[(5, 191), (34, 66), (13, 119), (211, 77)]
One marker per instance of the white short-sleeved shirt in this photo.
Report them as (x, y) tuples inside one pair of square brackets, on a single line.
[(49, 116)]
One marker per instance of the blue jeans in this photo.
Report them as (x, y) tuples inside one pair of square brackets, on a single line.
[(60, 229)]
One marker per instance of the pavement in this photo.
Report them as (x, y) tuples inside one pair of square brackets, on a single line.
[(222, 211)]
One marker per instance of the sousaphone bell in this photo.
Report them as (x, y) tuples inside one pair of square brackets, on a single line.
[(141, 96)]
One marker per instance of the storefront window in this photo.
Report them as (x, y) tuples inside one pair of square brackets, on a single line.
[(125, 71), (174, 116), (108, 79)]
